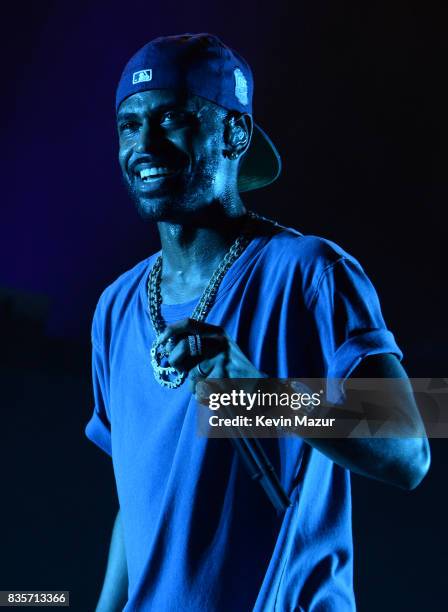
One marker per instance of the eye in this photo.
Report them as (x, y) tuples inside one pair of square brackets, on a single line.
[(127, 126), (171, 117)]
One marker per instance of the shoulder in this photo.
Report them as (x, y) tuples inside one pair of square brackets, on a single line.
[(305, 259), (125, 283), (118, 295), (307, 251)]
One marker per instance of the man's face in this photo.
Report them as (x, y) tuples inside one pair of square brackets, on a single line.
[(171, 153)]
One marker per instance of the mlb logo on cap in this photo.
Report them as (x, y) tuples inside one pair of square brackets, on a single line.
[(141, 76)]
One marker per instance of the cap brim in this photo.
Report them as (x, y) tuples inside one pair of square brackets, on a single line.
[(261, 164)]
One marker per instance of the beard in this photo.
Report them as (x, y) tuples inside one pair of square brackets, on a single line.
[(185, 196)]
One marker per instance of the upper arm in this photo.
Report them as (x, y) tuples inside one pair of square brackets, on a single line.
[(98, 429), (380, 365), (396, 390), (347, 314), (401, 397)]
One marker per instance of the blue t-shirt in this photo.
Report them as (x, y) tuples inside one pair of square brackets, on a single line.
[(199, 534)]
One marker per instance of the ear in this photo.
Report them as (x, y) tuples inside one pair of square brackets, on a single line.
[(237, 134)]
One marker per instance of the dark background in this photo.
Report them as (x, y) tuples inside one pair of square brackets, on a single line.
[(353, 94)]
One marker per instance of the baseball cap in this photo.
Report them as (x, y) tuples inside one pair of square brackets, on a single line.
[(202, 65)]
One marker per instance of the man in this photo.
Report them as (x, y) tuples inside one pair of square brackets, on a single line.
[(230, 295)]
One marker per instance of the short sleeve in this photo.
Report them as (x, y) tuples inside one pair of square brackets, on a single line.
[(347, 313), (98, 428)]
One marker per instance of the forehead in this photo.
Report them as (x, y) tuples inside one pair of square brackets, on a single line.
[(156, 99)]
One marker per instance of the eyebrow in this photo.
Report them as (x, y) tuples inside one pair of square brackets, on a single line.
[(160, 109), (127, 115)]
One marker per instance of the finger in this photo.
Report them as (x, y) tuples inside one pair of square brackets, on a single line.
[(181, 357), (188, 326), (199, 374), (203, 368), (194, 377), (175, 329)]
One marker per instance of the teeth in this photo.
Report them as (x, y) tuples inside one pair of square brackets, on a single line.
[(148, 172)]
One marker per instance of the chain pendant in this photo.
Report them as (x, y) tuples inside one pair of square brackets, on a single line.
[(166, 375)]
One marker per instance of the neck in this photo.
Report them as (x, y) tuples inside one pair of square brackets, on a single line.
[(192, 251)]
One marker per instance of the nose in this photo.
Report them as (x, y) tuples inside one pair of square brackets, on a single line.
[(146, 137)]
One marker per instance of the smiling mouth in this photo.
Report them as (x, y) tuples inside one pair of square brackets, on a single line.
[(147, 175)]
